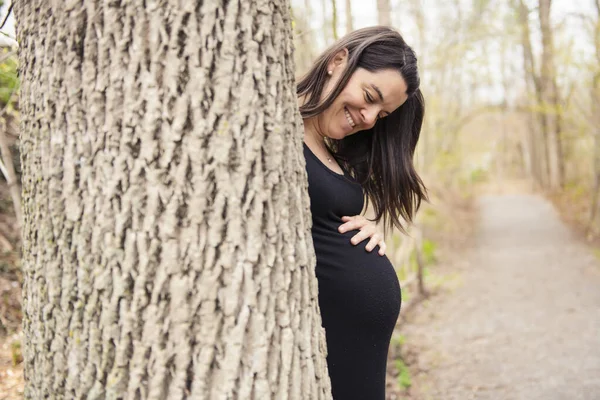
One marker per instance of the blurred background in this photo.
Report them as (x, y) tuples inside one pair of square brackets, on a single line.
[(512, 91), (511, 87)]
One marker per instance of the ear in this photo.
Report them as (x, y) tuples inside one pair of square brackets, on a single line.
[(339, 61)]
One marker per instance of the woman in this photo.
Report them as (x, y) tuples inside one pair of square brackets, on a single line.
[(362, 112)]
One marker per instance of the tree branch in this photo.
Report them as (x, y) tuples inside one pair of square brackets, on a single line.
[(7, 14)]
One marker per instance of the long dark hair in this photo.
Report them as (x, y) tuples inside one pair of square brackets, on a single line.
[(380, 158)]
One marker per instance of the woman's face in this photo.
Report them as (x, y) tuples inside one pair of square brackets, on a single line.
[(367, 97)]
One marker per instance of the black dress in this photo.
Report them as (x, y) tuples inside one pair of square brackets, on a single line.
[(359, 293)]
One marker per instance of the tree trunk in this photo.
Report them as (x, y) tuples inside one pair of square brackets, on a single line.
[(334, 19), (384, 12), (327, 37), (537, 134), (167, 251), (349, 18), (424, 148), (550, 102)]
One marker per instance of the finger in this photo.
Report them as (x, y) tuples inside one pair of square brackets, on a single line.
[(345, 227), (382, 248), (362, 235), (354, 223), (372, 243)]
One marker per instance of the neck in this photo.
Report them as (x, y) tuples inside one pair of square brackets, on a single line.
[(312, 133)]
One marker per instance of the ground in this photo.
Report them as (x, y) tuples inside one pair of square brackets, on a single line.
[(11, 372), (519, 318)]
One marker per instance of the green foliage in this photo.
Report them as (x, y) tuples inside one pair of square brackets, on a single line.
[(413, 265), (406, 295), (426, 273), (576, 190), (596, 252), (398, 340), (9, 81), (429, 252), (404, 379), (429, 215), (478, 175), (474, 176), (16, 353)]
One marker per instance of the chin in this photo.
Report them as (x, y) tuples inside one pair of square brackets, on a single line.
[(339, 134)]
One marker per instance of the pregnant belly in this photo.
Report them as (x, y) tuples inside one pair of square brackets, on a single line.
[(357, 289)]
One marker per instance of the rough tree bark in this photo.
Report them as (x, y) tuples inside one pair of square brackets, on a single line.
[(166, 243)]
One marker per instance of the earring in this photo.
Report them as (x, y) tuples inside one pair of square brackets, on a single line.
[(330, 72)]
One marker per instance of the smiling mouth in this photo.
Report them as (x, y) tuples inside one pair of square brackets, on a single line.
[(349, 118)]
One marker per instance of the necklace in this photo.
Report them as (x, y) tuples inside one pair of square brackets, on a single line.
[(329, 159), (327, 156)]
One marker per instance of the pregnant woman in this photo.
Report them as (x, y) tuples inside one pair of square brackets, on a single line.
[(362, 111)]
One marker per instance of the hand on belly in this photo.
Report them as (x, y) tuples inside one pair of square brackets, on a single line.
[(367, 230)]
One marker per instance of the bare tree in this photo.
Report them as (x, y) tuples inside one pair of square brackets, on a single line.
[(327, 34), (424, 148), (349, 17), (550, 101), (384, 12), (537, 138), (166, 246), (334, 19)]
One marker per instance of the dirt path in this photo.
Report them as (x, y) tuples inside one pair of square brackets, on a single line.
[(523, 322)]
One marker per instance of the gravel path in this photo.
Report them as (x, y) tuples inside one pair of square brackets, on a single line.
[(523, 322)]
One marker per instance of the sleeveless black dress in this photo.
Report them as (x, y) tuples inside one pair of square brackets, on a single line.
[(359, 293)]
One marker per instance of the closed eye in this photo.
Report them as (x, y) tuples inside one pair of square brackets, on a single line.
[(369, 99)]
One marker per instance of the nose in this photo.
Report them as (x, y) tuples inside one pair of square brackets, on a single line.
[(369, 115)]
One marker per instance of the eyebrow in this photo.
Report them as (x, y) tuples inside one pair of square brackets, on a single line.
[(378, 91), (380, 95)]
